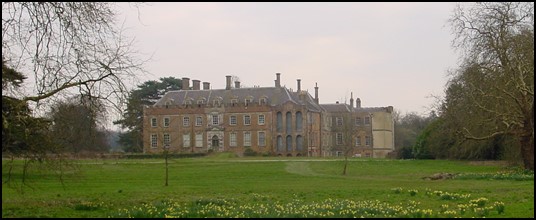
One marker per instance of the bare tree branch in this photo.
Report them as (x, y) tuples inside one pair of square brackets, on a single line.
[(67, 45), (492, 93)]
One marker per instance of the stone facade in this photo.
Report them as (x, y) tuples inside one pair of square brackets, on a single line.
[(360, 132), (267, 120)]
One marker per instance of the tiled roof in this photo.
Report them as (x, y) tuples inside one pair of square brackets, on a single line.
[(336, 107), (370, 109), (306, 99), (346, 108), (273, 95)]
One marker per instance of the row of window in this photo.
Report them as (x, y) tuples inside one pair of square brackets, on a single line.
[(166, 142), (217, 102), (247, 139), (339, 140), (233, 140), (339, 121), (261, 120), (288, 143), (288, 119), (215, 120)]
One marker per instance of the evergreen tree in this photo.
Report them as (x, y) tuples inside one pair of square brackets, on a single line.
[(146, 94)]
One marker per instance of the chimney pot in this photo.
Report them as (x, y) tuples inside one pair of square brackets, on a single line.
[(299, 85), (352, 100), (278, 80), (185, 83), (228, 84), (206, 85), (237, 84), (196, 85), (316, 93)]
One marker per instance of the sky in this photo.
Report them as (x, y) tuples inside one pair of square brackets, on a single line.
[(386, 54)]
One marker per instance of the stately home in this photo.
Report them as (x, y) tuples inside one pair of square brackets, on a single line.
[(267, 120)]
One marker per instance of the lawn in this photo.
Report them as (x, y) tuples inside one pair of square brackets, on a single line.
[(222, 186)]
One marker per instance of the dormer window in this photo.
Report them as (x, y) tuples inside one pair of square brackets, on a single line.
[(234, 102), (247, 101), (200, 102), (262, 101), (217, 101)]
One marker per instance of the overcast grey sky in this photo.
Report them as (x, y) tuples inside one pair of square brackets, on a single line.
[(391, 53)]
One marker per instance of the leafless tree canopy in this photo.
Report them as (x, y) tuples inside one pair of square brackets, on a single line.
[(494, 87), (69, 48)]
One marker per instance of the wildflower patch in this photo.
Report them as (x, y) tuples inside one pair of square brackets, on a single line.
[(328, 208)]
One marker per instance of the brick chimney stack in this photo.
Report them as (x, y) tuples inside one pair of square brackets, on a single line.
[(351, 100), (185, 83), (206, 85), (228, 84), (316, 93), (278, 80), (197, 84)]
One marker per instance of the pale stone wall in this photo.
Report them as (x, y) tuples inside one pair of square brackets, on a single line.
[(383, 133)]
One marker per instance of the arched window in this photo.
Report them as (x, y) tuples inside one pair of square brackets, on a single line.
[(289, 122), (279, 121), (215, 142), (299, 143), (289, 143), (298, 121), (169, 102), (279, 143)]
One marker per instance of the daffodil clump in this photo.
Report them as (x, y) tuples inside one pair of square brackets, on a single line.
[(396, 190), (447, 195), (520, 175), (413, 192), (264, 207)]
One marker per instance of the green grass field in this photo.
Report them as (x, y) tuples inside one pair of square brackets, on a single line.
[(222, 186)]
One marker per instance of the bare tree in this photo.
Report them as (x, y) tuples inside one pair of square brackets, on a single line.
[(345, 133), (349, 136), (497, 77), (162, 138), (78, 125), (234, 79), (166, 152), (63, 49), (68, 48)]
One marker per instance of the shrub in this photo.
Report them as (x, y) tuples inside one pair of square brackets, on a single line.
[(396, 190), (249, 152)]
